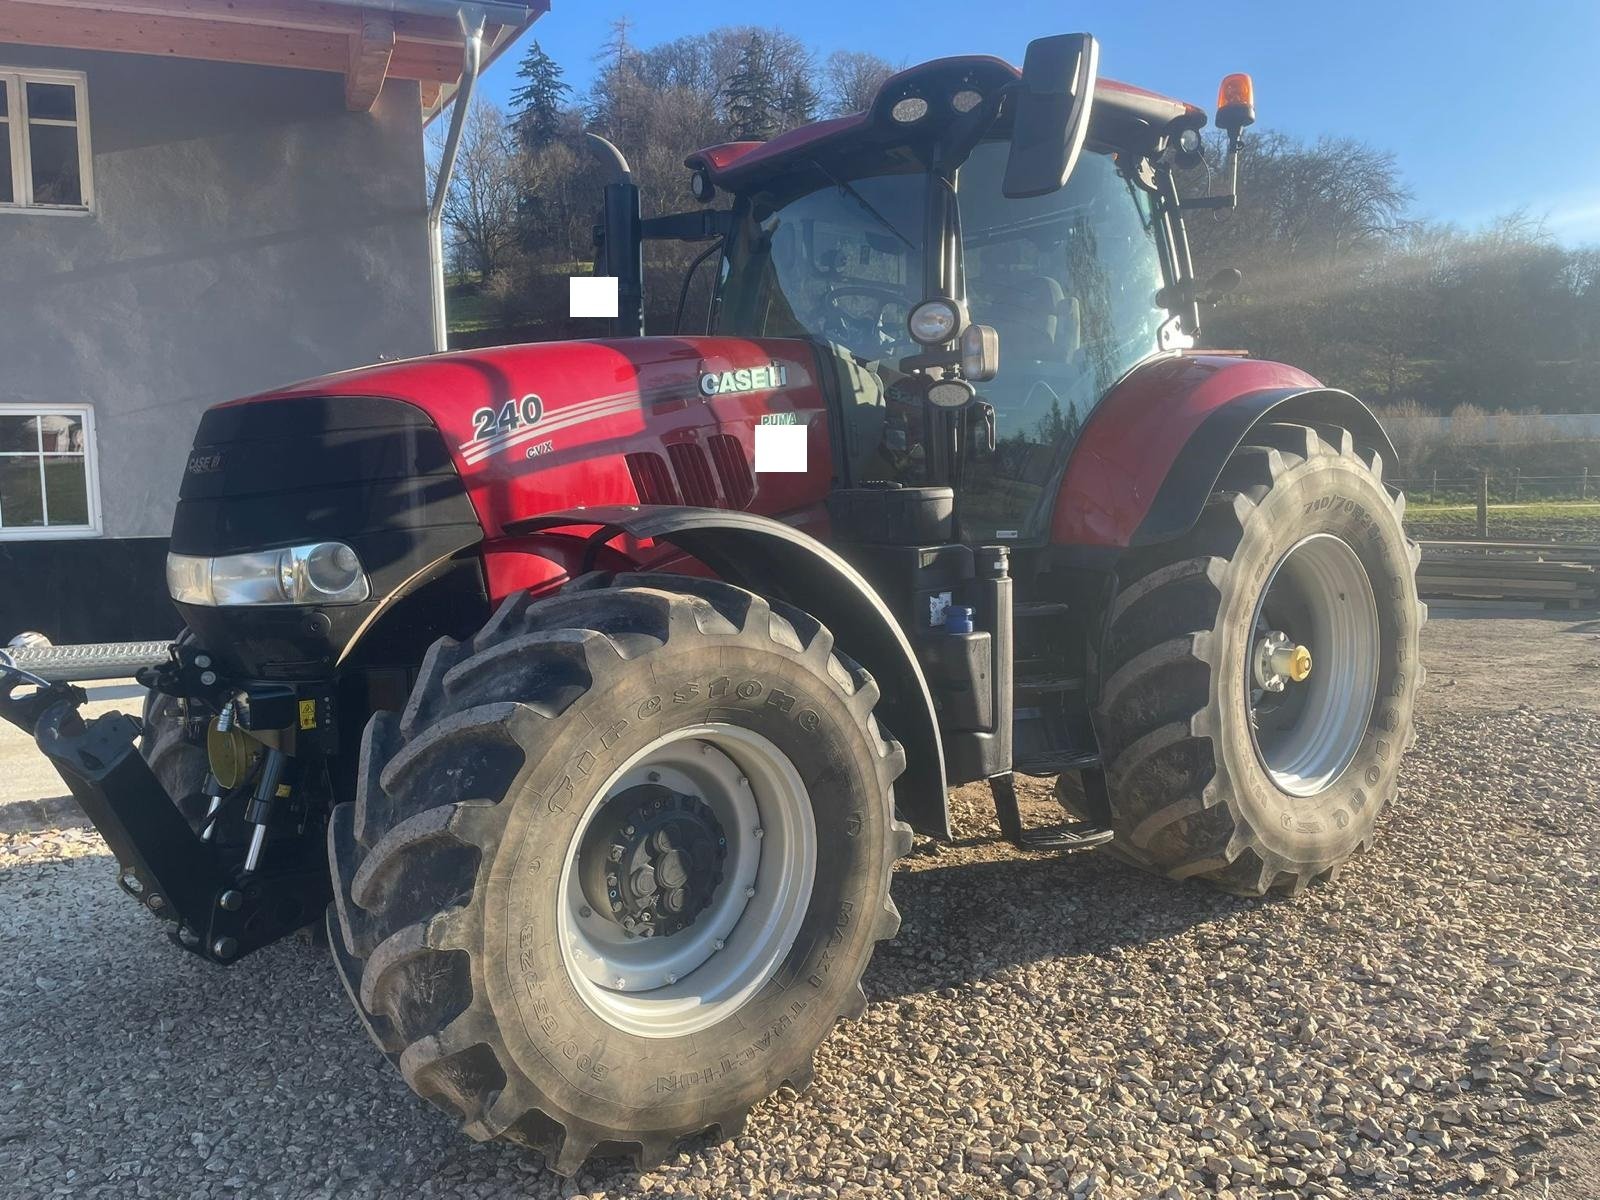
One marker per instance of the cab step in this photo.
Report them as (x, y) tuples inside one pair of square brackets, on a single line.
[(1040, 608), (1068, 836), (1060, 763), (1049, 683)]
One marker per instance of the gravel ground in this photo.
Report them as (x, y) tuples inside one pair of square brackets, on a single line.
[(1042, 1026)]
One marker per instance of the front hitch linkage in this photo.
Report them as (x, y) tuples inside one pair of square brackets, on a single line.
[(217, 910)]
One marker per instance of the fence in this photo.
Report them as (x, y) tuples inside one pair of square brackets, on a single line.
[(1447, 502), (1499, 487)]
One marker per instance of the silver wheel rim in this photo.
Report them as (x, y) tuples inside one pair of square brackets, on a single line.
[(1320, 595), (680, 984)]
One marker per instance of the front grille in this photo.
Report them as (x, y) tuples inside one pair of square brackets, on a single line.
[(652, 482), (694, 474), (733, 469), (723, 481)]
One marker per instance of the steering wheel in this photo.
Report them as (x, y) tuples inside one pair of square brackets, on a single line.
[(856, 329)]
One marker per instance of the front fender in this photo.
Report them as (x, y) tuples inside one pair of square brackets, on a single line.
[(1154, 447), (774, 559)]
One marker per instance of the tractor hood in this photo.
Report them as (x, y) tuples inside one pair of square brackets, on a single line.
[(547, 426), (419, 465)]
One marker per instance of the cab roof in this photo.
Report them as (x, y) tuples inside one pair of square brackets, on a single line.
[(1123, 116)]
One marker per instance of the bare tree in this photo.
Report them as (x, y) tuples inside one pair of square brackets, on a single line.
[(851, 79), (481, 205)]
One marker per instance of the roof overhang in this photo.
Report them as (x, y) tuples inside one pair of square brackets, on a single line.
[(1123, 116), (366, 41)]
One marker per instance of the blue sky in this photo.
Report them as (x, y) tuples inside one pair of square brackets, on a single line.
[(1489, 106)]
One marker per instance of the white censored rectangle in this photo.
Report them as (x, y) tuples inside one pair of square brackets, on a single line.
[(780, 448), (592, 295)]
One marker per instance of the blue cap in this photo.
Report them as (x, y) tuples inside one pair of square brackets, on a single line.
[(957, 619)]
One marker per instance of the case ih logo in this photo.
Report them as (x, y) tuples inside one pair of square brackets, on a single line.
[(745, 379)]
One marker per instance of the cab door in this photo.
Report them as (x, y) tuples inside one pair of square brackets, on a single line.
[(1069, 280)]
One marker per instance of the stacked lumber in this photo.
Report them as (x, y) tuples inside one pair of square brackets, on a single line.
[(1556, 574)]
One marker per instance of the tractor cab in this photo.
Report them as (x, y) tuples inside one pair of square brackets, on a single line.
[(984, 252), (1067, 281)]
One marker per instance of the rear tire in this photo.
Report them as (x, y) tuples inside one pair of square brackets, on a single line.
[(1213, 775), (454, 869)]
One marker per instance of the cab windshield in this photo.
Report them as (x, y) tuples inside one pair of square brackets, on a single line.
[(841, 261)]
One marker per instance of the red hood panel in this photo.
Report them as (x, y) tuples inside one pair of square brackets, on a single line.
[(552, 425)]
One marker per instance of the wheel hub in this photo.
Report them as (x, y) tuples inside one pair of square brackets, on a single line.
[(1306, 734), (703, 915), (653, 860), (1279, 661)]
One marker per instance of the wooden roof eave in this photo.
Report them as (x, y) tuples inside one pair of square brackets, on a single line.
[(367, 44)]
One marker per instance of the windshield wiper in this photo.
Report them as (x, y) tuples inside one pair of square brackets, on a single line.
[(864, 203)]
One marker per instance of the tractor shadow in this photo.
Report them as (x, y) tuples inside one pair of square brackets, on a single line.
[(983, 917)]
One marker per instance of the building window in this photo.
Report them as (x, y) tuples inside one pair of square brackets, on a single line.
[(47, 471), (45, 165)]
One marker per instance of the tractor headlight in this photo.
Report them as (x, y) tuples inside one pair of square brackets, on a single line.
[(321, 573), (934, 322), (910, 110), (966, 100)]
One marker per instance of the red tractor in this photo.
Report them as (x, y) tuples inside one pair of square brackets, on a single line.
[(598, 685)]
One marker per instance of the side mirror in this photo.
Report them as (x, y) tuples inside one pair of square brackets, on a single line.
[(1051, 113), (980, 353)]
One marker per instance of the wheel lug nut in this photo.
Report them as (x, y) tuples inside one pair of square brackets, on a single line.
[(672, 979), (621, 982), (749, 893), (718, 944), (654, 777), (758, 832)]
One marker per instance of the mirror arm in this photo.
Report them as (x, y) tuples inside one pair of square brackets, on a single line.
[(1230, 198), (930, 358), (695, 226)]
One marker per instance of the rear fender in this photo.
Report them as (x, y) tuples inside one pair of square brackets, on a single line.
[(1194, 475), (1155, 446), (777, 560)]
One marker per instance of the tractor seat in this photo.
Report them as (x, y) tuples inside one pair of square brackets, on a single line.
[(1024, 307)]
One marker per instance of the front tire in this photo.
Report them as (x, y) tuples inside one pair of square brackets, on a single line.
[(586, 752), (1213, 773)]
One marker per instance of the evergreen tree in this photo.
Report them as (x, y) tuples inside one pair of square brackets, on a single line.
[(536, 104), (799, 100), (752, 95)]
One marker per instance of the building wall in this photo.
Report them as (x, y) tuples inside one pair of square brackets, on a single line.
[(247, 231)]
